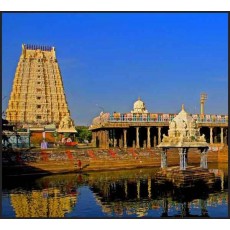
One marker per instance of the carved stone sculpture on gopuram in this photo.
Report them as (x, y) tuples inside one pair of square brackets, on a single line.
[(66, 125)]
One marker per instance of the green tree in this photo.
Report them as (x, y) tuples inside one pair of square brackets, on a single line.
[(83, 133)]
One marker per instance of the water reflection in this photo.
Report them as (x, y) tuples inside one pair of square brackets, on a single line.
[(128, 193)]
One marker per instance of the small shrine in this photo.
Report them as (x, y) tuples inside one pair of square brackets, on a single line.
[(184, 134), (139, 107), (66, 125)]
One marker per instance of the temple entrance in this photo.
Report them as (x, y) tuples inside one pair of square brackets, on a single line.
[(153, 136), (131, 137), (143, 137), (216, 135), (116, 138)]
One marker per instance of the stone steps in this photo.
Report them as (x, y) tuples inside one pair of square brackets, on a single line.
[(186, 178)]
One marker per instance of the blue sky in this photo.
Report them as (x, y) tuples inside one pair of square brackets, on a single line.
[(109, 59)]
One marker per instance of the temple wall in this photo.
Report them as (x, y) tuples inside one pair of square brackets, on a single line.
[(37, 137)]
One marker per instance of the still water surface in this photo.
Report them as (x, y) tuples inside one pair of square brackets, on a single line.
[(114, 194)]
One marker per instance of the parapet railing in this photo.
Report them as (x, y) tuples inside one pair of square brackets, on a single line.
[(120, 117)]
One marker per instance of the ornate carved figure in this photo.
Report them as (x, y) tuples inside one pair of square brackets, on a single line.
[(66, 123), (202, 137)]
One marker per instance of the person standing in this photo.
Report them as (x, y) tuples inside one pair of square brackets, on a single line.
[(44, 145)]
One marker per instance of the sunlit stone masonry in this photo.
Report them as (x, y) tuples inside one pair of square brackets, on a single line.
[(183, 134), (38, 96)]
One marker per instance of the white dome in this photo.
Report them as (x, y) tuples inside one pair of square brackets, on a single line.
[(139, 107)]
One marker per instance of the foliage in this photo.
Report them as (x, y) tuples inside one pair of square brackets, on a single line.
[(66, 135), (83, 133), (22, 130), (193, 138)]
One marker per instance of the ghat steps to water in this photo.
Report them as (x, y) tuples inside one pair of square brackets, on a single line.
[(59, 161)]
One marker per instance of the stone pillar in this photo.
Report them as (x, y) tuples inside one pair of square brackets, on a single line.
[(99, 138), (148, 138), (154, 141), (44, 135), (138, 188), (121, 142), (211, 138), (114, 138), (184, 209), (222, 180), (94, 138), (203, 207), (125, 138), (222, 136), (164, 158), (226, 136), (183, 158), (159, 135), (203, 158), (137, 138), (102, 139), (115, 142), (134, 145), (149, 187), (186, 157), (165, 207), (126, 188), (106, 139), (144, 144)]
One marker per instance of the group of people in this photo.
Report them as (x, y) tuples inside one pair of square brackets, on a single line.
[(66, 140)]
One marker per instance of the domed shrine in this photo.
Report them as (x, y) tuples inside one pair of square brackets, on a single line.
[(139, 107), (183, 134)]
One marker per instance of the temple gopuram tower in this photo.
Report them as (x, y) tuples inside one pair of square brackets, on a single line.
[(37, 96)]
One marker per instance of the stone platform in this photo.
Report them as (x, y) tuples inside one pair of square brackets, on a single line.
[(191, 177)]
